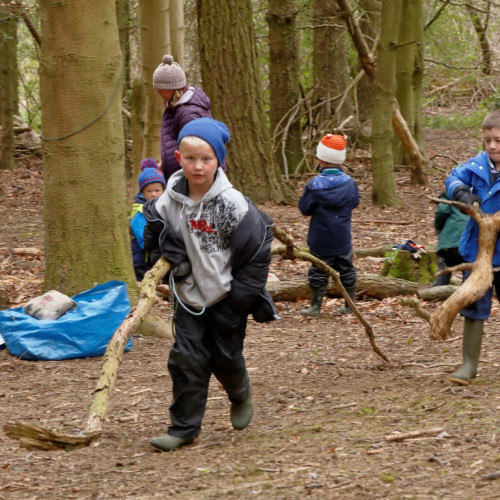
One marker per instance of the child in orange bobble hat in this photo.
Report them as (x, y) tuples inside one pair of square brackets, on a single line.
[(329, 199)]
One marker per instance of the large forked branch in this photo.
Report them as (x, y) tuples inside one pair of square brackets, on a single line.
[(35, 436), (481, 276), (291, 251)]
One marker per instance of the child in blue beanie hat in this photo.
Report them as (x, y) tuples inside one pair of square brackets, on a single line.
[(219, 246), (151, 184)]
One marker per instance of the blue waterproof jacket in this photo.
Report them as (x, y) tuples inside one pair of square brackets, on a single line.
[(474, 174), (137, 225), (329, 199)]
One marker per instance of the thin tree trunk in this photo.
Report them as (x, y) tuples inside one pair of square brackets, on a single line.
[(176, 20), (146, 105), (284, 84), (8, 87), (409, 72), (384, 185), (330, 77)]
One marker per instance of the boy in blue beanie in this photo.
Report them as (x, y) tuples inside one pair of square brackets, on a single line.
[(329, 199), (151, 184), (477, 181), (219, 245)]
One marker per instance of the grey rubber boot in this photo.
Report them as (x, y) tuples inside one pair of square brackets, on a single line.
[(242, 413), (346, 309), (314, 310), (471, 348), (168, 442), (444, 279)]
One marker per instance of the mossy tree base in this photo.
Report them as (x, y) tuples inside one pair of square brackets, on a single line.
[(402, 265)]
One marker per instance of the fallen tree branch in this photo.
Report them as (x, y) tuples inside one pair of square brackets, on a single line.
[(34, 436), (291, 251), (481, 276), (401, 436)]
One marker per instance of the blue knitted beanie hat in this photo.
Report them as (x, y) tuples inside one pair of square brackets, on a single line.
[(212, 131), (150, 175), (148, 163)]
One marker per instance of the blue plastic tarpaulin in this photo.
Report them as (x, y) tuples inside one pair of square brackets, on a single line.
[(83, 332)]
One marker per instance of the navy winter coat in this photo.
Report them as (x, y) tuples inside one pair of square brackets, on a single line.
[(329, 199)]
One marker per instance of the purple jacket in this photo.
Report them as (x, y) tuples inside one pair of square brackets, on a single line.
[(193, 104)]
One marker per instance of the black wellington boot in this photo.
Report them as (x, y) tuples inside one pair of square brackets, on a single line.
[(314, 310), (351, 291)]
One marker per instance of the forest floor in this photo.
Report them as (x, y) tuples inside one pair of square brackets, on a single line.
[(324, 400)]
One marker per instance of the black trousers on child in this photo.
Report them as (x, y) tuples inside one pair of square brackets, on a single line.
[(341, 263), (206, 344)]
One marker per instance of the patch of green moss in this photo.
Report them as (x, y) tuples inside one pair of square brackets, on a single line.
[(400, 264)]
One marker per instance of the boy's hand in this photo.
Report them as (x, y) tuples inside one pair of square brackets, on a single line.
[(463, 195), (183, 269)]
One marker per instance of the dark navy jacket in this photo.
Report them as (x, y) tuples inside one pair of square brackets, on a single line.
[(329, 199)]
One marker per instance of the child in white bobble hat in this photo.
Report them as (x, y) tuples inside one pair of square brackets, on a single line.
[(329, 199)]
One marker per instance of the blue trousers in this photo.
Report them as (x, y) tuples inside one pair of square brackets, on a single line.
[(481, 309)]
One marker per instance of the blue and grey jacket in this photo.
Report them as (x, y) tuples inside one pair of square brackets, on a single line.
[(475, 175), (224, 237)]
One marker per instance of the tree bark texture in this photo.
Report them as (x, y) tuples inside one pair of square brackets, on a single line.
[(329, 55), (384, 185), (176, 21), (368, 285), (369, 23), (85, 212), (409, 74), (8, 87), (284, 84), (231, 79), (146, 105)]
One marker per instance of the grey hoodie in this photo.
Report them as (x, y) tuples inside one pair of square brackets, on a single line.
[(206, 227)]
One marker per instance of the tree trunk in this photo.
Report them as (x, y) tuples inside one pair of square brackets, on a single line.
[(231, 78), (481, 30), (370, 27), (284, 85), (330, 78), (85, 212), (384, 191), (384, 185), (8, 87), (146, 105), (176, 21), (367, 285), (123, 20), (409, 73)]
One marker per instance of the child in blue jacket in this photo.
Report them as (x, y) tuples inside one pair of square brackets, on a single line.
[(477, 181), (151, 184), (329, 199)]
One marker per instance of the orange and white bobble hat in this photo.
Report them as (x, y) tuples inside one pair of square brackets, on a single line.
[(331, 149)]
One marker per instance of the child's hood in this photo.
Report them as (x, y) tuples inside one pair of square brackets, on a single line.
[(194, 95), (177, 189)]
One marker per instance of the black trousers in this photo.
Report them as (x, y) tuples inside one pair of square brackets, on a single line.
[(206, 344), (341, 263)]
